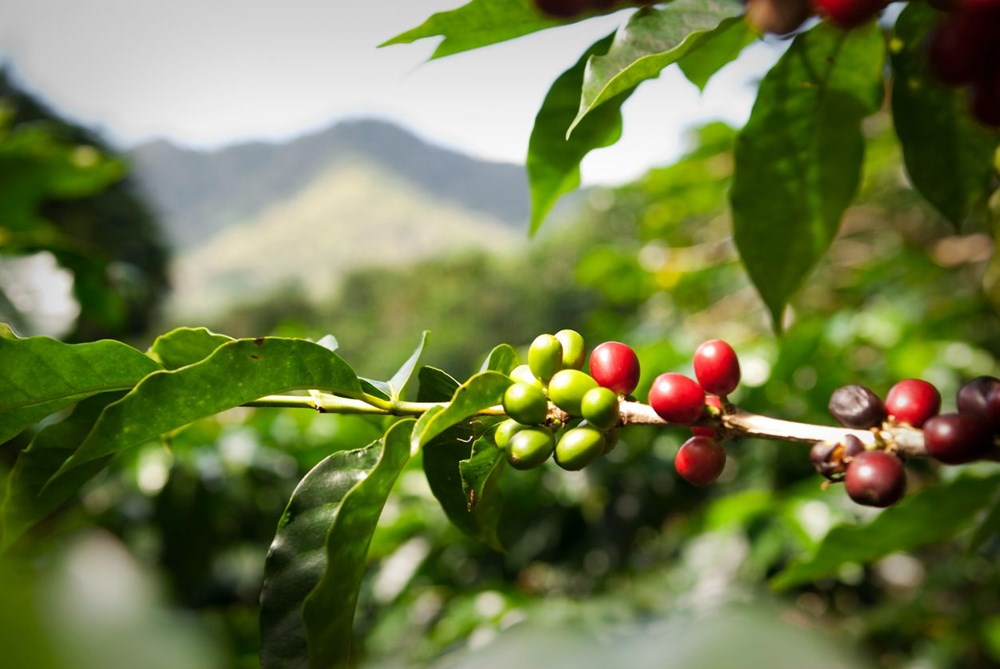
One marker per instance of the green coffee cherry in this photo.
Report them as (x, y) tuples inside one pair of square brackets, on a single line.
[(505, 431), (522, 374), (545, 356), (599, 407), (573, 351), (567, 388), (530, 447), (611, 439), (579, 447), (526, 404)]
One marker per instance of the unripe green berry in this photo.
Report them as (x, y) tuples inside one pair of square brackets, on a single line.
[(567, 388), (545, 356), (505, 431), (522, 374), (530, 448), (526, 404), (579, 447), (573, 348), (611, 439), (599, 407)]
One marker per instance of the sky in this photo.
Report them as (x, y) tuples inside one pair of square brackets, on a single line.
[(205, 73)]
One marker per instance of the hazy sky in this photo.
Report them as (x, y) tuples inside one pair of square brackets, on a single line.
[(207, 72)]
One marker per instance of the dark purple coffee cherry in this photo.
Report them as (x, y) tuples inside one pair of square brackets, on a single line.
[(956, 438), (875, 478), (830, 458), (981, 396), (857, 406)]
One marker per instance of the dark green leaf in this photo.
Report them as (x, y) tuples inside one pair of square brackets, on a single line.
[(476, 24), (481, 484), (435, 385), (931, 515), (40, 376), (399, 380), (502, 358), (185, 346), (24, 504), (317, 559), (379, 389), (720, 47), (482, 391), (240, 371), (987, 528), (651, 40), (948, 156), (798, 160), (553, 162)]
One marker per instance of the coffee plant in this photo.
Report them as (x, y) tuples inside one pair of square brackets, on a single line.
[(797, 166)]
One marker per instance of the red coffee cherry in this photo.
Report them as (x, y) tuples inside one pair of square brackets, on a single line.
[(875, 478), (857, 406), (912, 401), (716, 367), (848, 14), (956, 438), (677, 398), (616, 366), (563, 9), (700, 460), (981, 396)]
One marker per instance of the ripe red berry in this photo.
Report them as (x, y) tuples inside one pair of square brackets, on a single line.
[(912, 401), (875, 478), (563, 9), (849, 14), (956, 438), (616, 366), (981, 396), (677, 398), (716, 367), (700, 460)]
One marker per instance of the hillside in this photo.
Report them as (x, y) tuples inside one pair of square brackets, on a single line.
[(198, 193)]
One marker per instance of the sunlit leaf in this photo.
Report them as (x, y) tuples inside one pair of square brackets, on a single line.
[(799, 158), (397, 384), (24, 503), (481, 392), (435, 385), (476, 24), (40, 375), (553, 162), (503, 358), (185, 346), (238, 372), (719, 48), (651, 40), (933, 514), (316, 562), (948, 156)]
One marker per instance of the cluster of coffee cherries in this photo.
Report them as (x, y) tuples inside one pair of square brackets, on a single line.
[(585, 425), (568, 9), (780, 17), (876, 477), (584, 428), (964, 51)]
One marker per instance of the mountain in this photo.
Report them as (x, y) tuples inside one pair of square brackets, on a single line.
[(199, 193), (250, 220)]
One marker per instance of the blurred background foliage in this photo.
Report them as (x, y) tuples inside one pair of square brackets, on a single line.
[(162, 558)]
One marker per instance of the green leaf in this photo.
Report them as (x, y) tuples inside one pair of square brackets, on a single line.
[(477, 24), (435, 385), (988, 527), (553, 162), (317, 559), (185, 346), (721, 47), (40, 376), (948, 156), (798, 160), (503, 358), (482, 391), (398, 382), (24, 504), (931, 515), (649, 41), (472, 505), (241, 371)]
